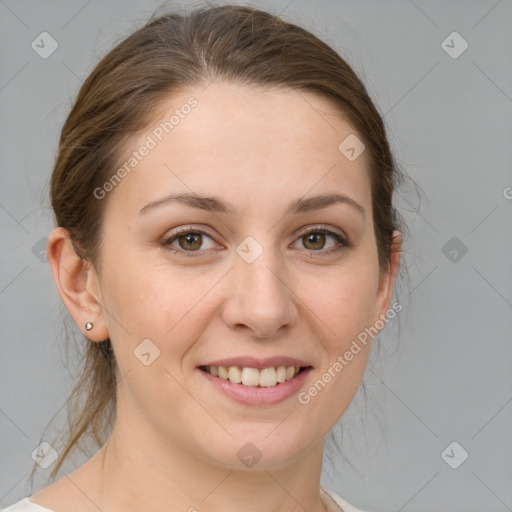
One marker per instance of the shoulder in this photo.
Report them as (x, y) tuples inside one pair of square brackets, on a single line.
[(25, 505), (61, 495), (345, 505)]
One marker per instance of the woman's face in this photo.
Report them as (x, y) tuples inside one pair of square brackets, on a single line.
[(260, 277)]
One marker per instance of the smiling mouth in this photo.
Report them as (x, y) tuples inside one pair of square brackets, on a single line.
[(254, 377)]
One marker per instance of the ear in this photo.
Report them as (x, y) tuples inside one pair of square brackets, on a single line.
[(388, 277), (77, 283)]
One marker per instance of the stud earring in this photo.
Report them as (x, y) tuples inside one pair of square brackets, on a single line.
[(88, 326)]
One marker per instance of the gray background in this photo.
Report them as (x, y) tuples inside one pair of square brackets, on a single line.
[(448, 377)]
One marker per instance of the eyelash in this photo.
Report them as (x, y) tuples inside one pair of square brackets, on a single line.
[(343, 243)]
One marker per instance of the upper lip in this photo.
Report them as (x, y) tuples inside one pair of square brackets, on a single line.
[(254, 362)]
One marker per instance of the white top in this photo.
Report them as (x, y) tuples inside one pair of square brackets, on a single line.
[(25, 505)]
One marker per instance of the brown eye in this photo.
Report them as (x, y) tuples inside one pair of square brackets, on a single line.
[(323, 241), (191, 241), (314, 241), (186, 242)]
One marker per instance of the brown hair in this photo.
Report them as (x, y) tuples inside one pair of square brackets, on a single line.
[(238, 44)]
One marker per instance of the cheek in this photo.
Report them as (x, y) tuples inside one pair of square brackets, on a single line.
[(159, 316), (344, 301), (342, 314), (156, 303)]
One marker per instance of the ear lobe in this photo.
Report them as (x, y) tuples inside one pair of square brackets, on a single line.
[(388, 278), (76, 282)]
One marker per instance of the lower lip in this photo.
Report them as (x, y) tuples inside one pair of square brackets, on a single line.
[(254, 395)]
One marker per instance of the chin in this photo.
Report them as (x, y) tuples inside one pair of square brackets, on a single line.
[(258, 447)]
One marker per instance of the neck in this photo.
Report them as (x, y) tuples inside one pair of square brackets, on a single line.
[(143, 471)]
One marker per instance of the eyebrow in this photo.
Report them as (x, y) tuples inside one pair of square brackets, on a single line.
[(215, 204)]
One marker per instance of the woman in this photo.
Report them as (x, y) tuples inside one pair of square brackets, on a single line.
[(227, 243)]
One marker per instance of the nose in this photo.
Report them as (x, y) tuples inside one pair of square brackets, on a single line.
[(260, 298)]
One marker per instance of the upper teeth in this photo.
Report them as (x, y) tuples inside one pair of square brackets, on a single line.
[(266, 377)]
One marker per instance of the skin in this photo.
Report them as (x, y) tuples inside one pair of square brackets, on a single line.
[(176, 437)]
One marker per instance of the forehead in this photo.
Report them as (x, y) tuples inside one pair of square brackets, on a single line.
[(247, 144)]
